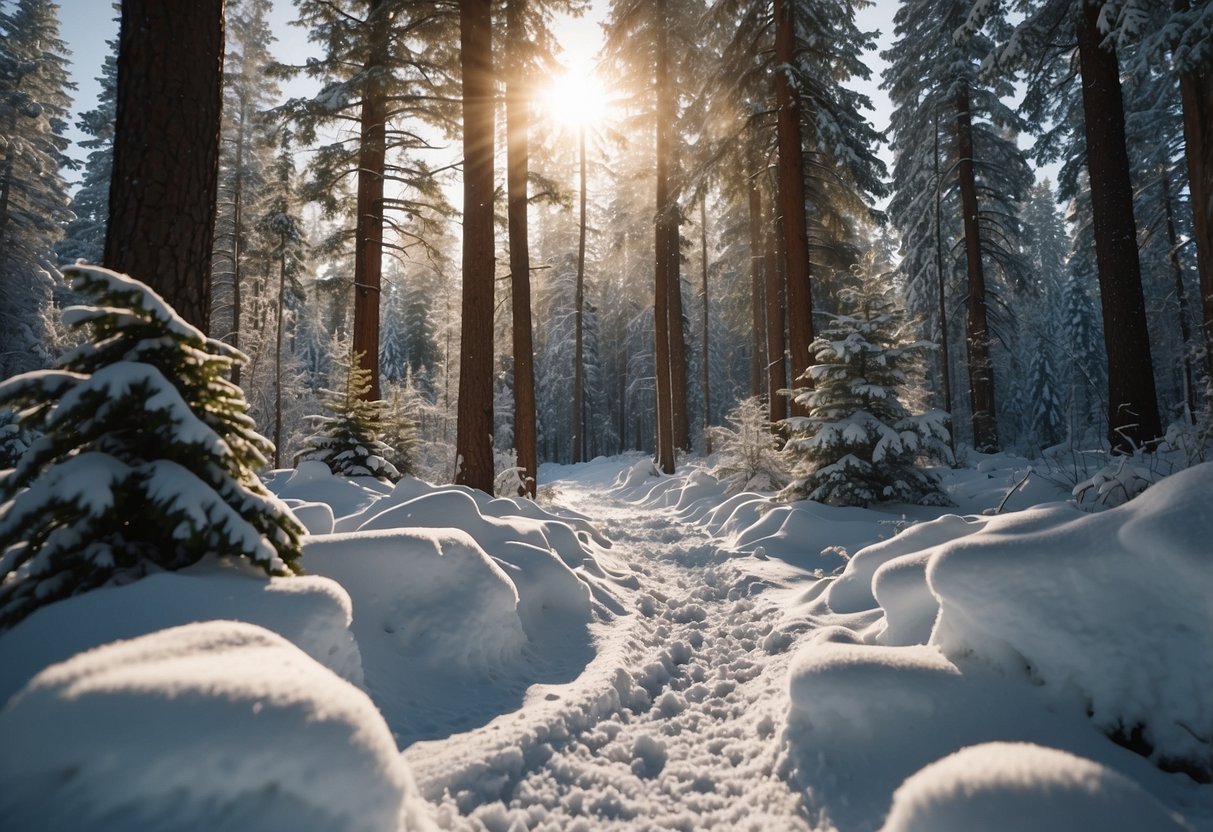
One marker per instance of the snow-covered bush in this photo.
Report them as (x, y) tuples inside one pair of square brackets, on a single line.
[(348, 441), (400, 429), (13, 440), (747, 452), (146, 459), (858, 444)]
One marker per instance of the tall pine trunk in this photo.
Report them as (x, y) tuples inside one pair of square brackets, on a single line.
[(1181, 292), (663, 246), (777, 374), (1132, 402), (792, 197), (945, 360), (758, 347), (678, 343), (706, 369), (474, 431), (166, 150), (579, 313), (517, 116), (1196, 93), (238, 235), (368, 233), (977, 332)]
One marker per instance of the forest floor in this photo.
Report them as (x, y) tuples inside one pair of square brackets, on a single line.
[(669, 727)]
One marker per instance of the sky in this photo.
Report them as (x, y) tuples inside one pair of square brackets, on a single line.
[(87, 25)]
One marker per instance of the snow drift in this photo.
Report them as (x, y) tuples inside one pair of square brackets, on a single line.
[(218, 726)]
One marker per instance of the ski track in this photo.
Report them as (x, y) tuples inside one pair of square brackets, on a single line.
[(669, 727)]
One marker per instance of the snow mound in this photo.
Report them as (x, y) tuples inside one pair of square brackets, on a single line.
[(1042, 789), (852, 591), (317, 518), (313, 613), (1065, 594), (217, 726), (312, 482), (439, 599)]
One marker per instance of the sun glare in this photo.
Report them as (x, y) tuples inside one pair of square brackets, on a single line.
[(575, 98)]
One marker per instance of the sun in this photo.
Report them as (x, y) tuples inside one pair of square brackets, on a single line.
[(575, 98)]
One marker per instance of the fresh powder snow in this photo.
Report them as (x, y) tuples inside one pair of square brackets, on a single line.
[(639, 651)]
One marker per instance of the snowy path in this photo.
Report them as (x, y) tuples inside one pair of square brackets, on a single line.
[(670, 727)]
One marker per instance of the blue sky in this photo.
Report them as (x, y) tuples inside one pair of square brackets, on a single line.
[(86, 25)]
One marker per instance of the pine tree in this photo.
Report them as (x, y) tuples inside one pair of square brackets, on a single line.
[(858, 443), (246, 153), (382, 65), (746, 451), (1037, 45), (348, 441), (166, 150), (957, 177), (34, 104), (85, 235), (138, 423), (400, 437)]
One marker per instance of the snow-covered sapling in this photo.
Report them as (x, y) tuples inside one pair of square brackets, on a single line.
[(857, 443), (747, 455), (145, 458), (348, 441)]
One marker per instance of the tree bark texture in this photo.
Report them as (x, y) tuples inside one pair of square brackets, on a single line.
[(1181, 293), (238, 236), (977, 328), (706, 368), (1196, 92), (662, 248), (1132, 402), (758, 347), (579, 313), (678, 344), (368, 231), (166, 150), (517, 116), (945, 360), (777, 373), (792, 197), (474, 431)]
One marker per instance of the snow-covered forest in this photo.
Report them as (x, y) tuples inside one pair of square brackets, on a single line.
[(415, 415)]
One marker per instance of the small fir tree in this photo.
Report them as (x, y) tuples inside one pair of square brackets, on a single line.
[(400, 426), (747, 453), (348, 441), (146, 458), (858, 443)]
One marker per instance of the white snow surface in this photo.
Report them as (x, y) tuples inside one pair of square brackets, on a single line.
[(647, 652), (219, 725)]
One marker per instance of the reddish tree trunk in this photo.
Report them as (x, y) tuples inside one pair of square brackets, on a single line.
[(474, 431), (1196, 92), (166, 150), (758, 348), (663, 246), (1132, 403), (792, 197), (706, 374), (678, 343), (368, 233), (579, 314), (981, 371), (517, 115), (777, 374)]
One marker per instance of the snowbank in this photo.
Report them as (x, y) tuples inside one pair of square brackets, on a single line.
[(1042, 789), (217, 726), (313, 613), (1113, 607), (434, 595)]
